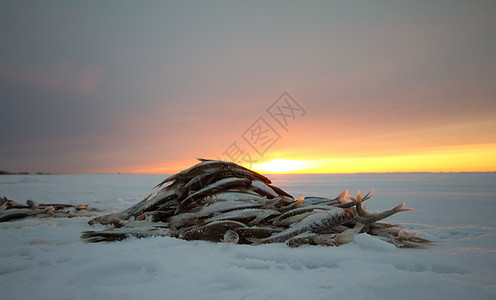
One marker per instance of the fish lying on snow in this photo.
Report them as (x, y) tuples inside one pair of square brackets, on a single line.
[(223, 202), (11, 210)]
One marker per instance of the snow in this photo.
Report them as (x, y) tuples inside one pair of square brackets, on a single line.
[(46, 259)]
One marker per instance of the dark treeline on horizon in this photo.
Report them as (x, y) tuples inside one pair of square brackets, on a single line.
[(3, 172)]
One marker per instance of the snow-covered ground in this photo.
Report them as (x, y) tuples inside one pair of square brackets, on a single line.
[(45, 258)]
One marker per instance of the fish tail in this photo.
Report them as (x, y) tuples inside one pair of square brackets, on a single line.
[(401, 207), (358, 203), (341, 198), (369, 194)]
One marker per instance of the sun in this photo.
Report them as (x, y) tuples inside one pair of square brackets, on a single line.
[(284, 166)]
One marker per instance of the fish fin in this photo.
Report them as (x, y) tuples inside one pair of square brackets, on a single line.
[(356, 200), (269, 203), (341, 198), (401, 207), (369, 194), (409, 235), (203, 159), (163, 182), (352, 198), (358, 203)]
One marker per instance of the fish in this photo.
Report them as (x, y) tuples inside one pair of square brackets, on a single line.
[(213, 231), (306, 201), (242, 170), (255, 233), (183, 220), (399, 237), (329, 239), (293, 219), (263, 189), (366, 217), (163, 196), (119, 234), (301, 210), (12, 204), (348, 235), (123, 215), (236, 196), (118, 216), (319, 220), (216, 187), (19, 213), (210, 166), (191, 218), (203, 180), (254, 214), (283, 201), (206, 179), (226, 206), (305, 238), (279, 191), (194, 170)]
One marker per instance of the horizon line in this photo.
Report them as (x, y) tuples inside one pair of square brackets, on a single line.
[(264, 173)]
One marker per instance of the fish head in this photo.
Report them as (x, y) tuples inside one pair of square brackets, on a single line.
[(349, 212)]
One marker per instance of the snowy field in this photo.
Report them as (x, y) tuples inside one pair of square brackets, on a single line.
[(45, 258)]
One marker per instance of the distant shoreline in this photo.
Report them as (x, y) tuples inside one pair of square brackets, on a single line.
[(24, 173)]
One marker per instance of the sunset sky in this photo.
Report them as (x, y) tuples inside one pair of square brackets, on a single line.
[(308, 86)]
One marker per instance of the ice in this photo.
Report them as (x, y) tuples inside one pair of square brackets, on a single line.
[(370, 243), (32, 178), (46, 259)]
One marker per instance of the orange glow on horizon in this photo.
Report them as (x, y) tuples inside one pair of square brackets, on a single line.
[(279, 165), (467, 158)]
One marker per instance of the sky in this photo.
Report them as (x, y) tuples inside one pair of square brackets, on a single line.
[(280, 86)]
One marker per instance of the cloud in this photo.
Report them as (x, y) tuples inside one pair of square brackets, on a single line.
[(63, 75)]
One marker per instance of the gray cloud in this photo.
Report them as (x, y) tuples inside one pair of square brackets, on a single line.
[(88, 86)]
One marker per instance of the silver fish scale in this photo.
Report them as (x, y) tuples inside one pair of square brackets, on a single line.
[(332, 220), (323, 219)]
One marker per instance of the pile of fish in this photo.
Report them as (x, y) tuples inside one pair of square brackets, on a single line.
[(222, 201), (11, 210)]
